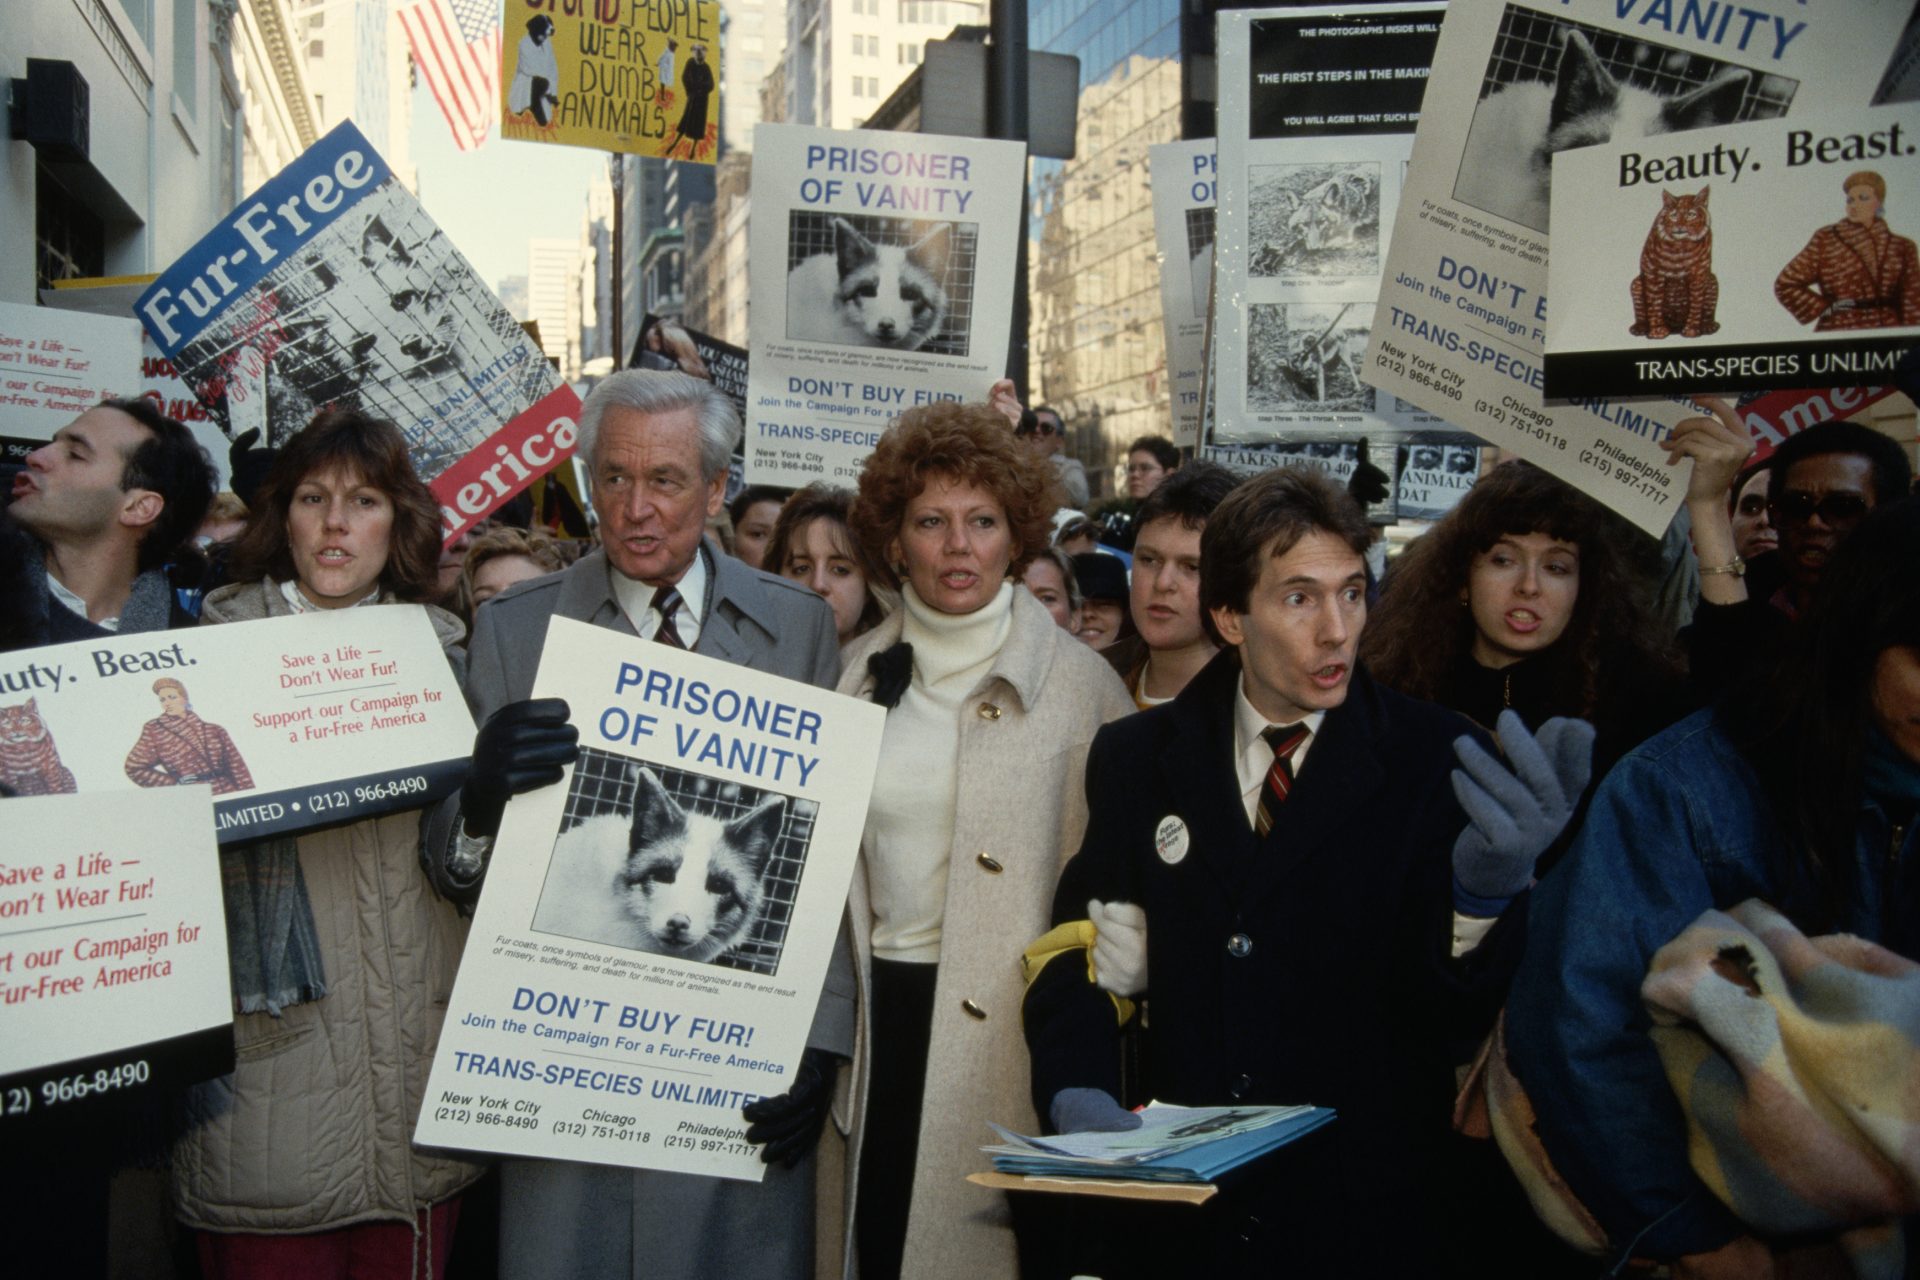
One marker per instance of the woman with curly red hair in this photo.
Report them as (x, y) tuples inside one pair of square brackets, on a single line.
[(977, 804)]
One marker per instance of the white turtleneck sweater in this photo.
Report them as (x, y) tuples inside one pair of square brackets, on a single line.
[(910, 819)]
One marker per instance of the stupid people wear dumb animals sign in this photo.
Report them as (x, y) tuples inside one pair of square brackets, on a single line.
[(614, 75)]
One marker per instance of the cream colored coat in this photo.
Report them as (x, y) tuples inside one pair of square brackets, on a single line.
[(1021, 802)]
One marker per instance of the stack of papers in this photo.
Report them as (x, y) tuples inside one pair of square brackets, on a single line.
[(1172, 1144)]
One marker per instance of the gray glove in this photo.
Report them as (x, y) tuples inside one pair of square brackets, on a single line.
[(1089, 1111), (1515, 813)]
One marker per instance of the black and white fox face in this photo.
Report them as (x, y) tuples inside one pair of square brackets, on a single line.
[(1590, 106), (693, 882), (893, 294)]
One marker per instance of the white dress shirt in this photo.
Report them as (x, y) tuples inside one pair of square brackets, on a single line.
[(636, 599), (1252, 757)]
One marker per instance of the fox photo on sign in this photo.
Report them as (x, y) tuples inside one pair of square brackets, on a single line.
[(113, 951), (655, 930), (1756, 257), (1316, 123), (1183, 200), (1463, 312), (331, 287), (295, 722), (871, 255)]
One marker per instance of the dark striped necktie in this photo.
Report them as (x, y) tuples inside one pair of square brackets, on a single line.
[(1285, 739), (668, 602)]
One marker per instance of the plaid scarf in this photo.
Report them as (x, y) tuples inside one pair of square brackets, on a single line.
[(271, 940)]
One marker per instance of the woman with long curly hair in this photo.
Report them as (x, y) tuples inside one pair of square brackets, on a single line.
[(1526, 597), (977, 804)]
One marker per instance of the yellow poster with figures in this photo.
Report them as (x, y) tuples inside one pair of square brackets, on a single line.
[(641, 76)]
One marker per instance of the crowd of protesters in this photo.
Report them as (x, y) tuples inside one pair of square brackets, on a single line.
[(1598, 932)]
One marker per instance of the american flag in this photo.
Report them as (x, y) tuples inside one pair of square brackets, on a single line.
[(456, 45)]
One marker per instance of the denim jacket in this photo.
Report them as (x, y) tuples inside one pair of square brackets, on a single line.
[(1679, 826)]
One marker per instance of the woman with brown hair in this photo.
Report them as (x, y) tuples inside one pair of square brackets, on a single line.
[(1526, 597), (301, 1161), (810, 543), (977, 804)]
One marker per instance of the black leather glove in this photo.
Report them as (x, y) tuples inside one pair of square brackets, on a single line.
[(522, 746), (249, 466), (790, 1124)]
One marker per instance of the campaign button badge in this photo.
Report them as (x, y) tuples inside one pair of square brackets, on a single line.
[(1170, 840)]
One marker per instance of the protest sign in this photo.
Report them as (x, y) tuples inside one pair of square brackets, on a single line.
[(1335, 459), (158, 382), (1317, 113), (1463, 306), (1183, 177), (664, 345), (1760, 256), (56, 365), (113, 951), (876, 290), (295, 722), (616, 75), (1434, 478), (650, 947), (1771, 416), (330, 286)]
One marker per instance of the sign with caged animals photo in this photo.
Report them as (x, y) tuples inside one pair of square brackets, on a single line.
[(656, 926), (1317, 116), (1754, 257), (882, 269), (1463, 308)]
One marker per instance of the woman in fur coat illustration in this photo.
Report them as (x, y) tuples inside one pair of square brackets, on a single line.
[(178, 747), (1854, 273)]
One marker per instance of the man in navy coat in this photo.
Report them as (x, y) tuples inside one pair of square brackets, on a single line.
[(1300, 928)]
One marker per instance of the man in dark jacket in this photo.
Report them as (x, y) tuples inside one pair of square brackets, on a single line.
[(1821, 483), (1285, 824), (94, 516)]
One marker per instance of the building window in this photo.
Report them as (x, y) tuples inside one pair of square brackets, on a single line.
[(186, 55), (68, 239), (909, 55), (140, 15)]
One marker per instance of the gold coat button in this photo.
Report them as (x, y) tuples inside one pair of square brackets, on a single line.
[(973, 1010), (990, 863), (989, 712)]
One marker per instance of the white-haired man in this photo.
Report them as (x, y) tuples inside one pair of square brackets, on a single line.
[(656, 445)]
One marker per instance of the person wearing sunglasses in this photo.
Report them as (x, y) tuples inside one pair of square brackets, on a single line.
[(1822, 482), (1043, 432)]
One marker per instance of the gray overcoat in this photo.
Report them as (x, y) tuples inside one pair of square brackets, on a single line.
[(564, 1220)]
